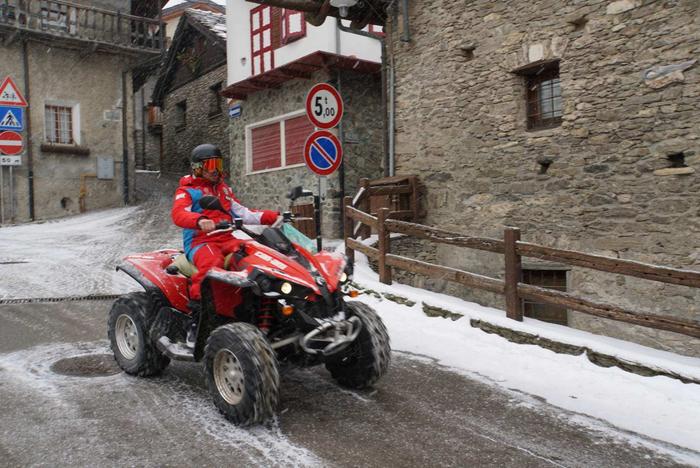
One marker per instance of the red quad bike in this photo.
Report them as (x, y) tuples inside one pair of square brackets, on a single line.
[(276, 303)]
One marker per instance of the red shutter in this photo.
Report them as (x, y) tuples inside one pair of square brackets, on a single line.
[(261, 51), (376, 30), (296, 131), (267, 152), (293, 25)]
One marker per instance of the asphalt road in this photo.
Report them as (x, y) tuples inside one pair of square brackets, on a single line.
[(420, 414)]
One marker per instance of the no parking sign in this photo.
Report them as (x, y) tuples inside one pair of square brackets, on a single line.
[(323, 152)]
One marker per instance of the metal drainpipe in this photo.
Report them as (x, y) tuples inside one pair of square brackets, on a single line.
[(386, 137), (341, 133), (125, 141), (30, 159)]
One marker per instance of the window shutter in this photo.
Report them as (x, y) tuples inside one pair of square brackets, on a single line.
[(296, 131), (293, 25), (266, 147), (261, 47)]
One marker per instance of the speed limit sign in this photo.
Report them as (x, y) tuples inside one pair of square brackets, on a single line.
[(324, 106)]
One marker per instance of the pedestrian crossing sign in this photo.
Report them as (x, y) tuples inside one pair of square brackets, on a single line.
[(11, 118), (10, 95)]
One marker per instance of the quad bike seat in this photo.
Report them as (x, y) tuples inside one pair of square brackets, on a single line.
[(183, 266)]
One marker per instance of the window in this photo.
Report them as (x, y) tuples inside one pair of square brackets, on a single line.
[(59, 125), (262, 58), (550, 279), (180, 115), (215, 100), (543, 94), (277, 143), (293, 25)]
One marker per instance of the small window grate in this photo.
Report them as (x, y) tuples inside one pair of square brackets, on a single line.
[(549, 279), (543, 95)]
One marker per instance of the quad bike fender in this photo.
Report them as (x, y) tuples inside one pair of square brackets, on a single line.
[(149, 271), (137, 275)]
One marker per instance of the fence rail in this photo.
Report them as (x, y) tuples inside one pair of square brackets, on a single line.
[(511, 287), (67, 20)]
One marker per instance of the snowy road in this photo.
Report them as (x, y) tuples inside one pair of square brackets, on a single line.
[(419, 415)]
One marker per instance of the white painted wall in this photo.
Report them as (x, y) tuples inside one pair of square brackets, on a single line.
[(321, 38)]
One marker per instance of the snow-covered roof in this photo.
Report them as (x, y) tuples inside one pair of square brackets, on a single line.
[(216, 22)]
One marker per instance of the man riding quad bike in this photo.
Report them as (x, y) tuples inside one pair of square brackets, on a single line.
[(273, 301)]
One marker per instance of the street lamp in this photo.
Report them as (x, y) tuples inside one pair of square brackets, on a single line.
[(343, 5)]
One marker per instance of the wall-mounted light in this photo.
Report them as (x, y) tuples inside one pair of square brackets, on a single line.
[(343, 5)]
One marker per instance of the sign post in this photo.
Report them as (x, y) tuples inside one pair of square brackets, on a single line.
[(323, 151)]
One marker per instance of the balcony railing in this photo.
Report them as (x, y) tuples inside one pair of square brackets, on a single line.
[(71, 21)]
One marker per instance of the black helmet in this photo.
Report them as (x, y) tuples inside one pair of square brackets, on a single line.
[(205, 151)]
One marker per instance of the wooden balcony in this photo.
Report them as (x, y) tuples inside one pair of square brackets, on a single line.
[(78, 26)]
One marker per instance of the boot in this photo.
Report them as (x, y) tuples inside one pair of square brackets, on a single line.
[(196, 308)]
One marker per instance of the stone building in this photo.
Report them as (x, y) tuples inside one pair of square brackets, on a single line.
[(188, 89), (72, 61), (577, 122), (274, 58)]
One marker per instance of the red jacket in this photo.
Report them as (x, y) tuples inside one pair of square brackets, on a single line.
[(186, 211)]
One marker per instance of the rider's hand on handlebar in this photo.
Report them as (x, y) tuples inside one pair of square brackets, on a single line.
[(206, 225), (278, 222)]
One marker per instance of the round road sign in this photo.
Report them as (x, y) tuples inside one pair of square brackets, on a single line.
[(10, 143), (324, 106), (323, 152)]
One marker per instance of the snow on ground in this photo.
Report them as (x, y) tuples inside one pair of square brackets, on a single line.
[(76, 256), (659, 407)]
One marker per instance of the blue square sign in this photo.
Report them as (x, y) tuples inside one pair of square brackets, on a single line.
[(11, 118)]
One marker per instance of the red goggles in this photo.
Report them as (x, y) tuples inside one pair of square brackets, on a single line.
[(214, 164)]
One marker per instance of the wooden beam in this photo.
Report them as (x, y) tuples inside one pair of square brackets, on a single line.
[(384, 246), (288, 72), (611, 265), (388, 190), (446, 273), (514, 309), (371, 252), (445, 237), (608, 311), (361, 216), (264, 84)]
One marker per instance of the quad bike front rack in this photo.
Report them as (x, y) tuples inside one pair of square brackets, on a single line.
[(331, 336)]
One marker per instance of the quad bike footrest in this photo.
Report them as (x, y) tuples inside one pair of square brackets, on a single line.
[(175, 351)]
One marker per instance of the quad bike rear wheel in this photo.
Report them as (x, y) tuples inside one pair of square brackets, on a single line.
[(128, 335), (242, 373), (367, 359)]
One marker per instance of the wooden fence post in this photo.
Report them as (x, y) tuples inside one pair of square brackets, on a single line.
[(365, 231), (347, 229), (384, 245), (513, 274)]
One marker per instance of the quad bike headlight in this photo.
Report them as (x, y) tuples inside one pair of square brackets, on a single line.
[(286, 288), (343, 277)]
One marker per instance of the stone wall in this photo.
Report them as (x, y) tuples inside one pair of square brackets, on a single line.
[(201, 127), (605, 190), (362, 148), (62, 177)]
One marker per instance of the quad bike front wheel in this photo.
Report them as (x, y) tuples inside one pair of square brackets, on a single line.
[(128, 335), (242, 373), (367, 359)]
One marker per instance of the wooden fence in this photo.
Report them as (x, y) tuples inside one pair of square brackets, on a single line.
[(398, 193), (513, 249)]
